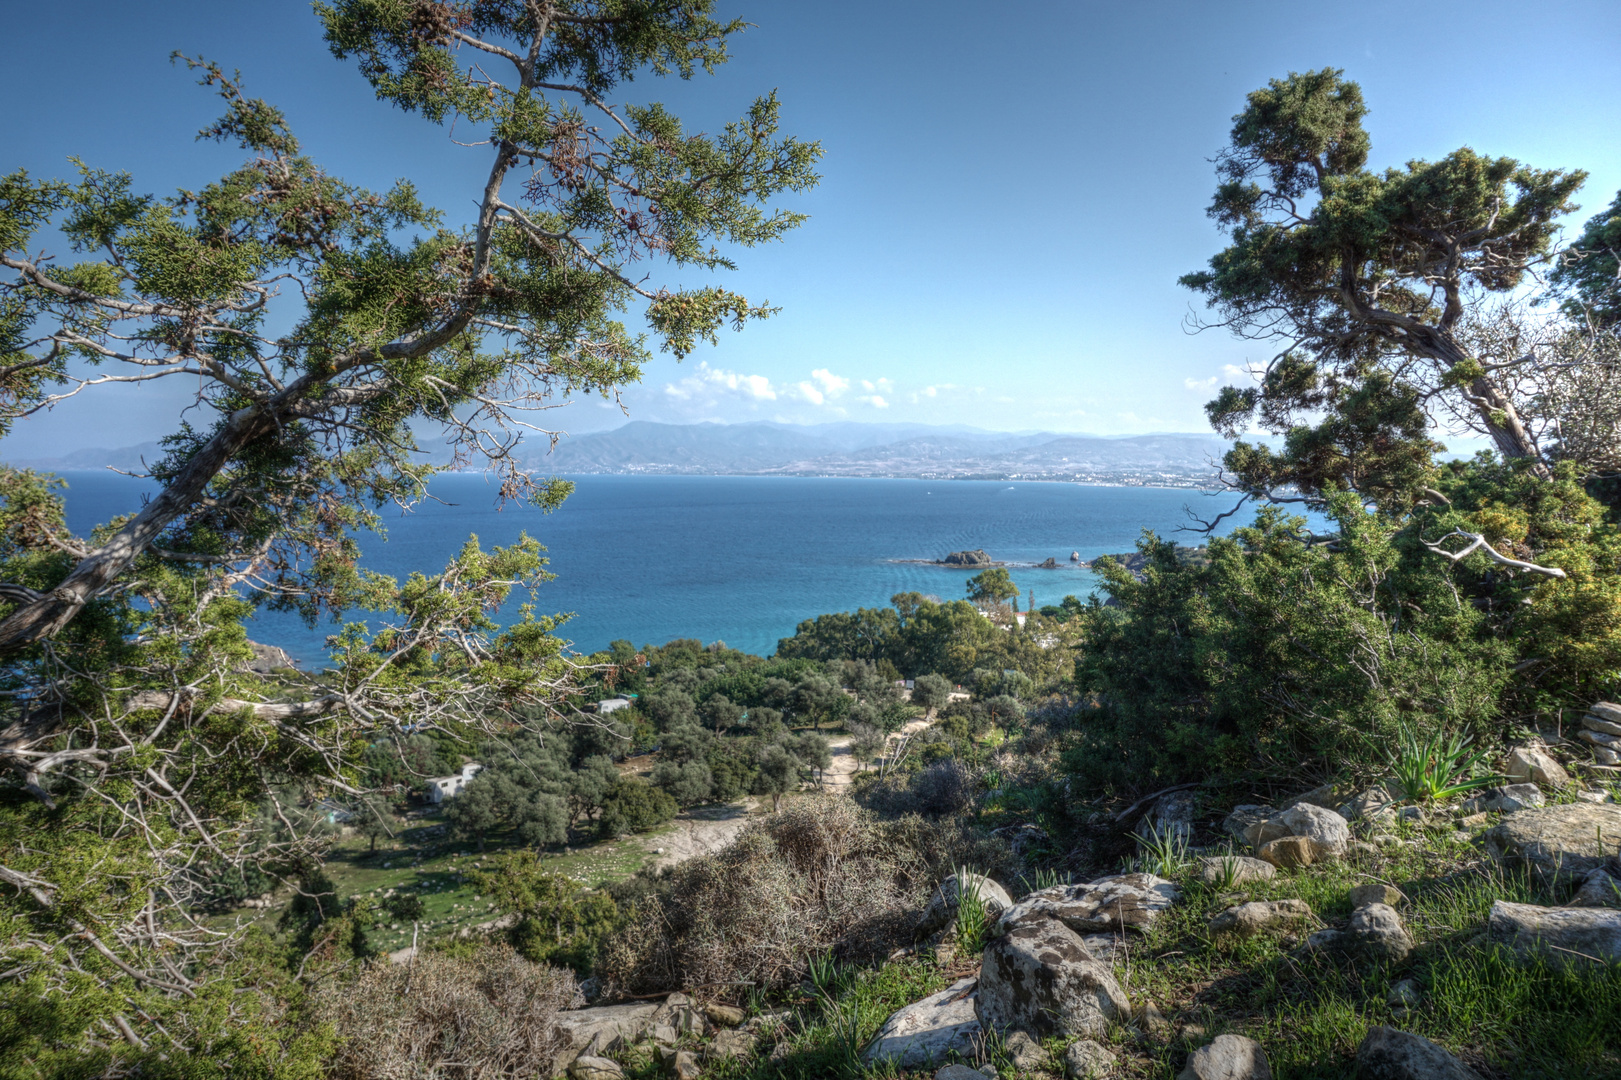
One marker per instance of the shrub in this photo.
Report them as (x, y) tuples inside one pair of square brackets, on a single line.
[(488, 1016), (822, 876), (558, 921)]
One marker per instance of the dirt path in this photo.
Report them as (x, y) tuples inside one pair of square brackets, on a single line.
[(703, 830), (841, 773)]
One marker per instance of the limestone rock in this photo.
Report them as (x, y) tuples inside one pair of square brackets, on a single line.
[(1600, 740), (1532, 765), (1289, 852), (1235, 869), (1025, 1052), (1242, 817), (1600, 888), (1558, 841), (1376, 893), (1170, 817), (1388, 1054), (1376, 931), (1229, 1057), (1506, 800), (1376, 805), (1327, 831), (942, 909), (1326, 797), (723, 1015), (1559, 935), (603, 1028), (595, 1068), (1608, 722), (929, 1030), (729, 1043), (1087, 1060), (1257, 915), (681, 1065), (1325, 940), (1121, 901), (1038, 977), (1261, 833)]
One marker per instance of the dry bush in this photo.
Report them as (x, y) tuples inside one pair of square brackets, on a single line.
[(823, 875), (491, 1015)]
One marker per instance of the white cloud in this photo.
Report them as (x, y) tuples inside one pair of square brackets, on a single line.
[(875, 400), (1202, 384), (810, 393), (831, 384), (708, 383)]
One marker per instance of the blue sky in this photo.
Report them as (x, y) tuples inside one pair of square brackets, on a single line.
[(1010, 190)]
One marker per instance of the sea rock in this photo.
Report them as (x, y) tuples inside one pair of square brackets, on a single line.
[(1257, 915), (1327, 831), (929, 1030), (1533, 765), (1376, 893), (1243, 816), (1234, 869), (1120, 901), (603, 1028), (1289, 852), (1038, 977), (976, 557), (1560, 936), (1050, 564), (1229, 1057), (1376, 932), (1600, 888), (942, 908), (1087, 1060), (595, 1068), (1558, 841), (1388, 1054), (1075, 556)]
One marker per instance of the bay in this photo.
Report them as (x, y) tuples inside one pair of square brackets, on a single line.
[(741, 559)]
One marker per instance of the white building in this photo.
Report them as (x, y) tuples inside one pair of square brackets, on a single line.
[(613, 704), (441, 788)]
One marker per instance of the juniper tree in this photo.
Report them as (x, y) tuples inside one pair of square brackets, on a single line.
[(321, 324), (1360, 274)]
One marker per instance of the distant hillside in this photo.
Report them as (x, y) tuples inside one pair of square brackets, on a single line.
[(844, 449)]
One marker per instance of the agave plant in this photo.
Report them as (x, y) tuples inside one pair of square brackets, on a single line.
[(1438, 767)]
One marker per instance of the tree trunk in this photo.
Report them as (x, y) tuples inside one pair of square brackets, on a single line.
[(1503, 423)]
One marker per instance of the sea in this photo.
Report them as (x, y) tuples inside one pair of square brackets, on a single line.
[(739, 559)]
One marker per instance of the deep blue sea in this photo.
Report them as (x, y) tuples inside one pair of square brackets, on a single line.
[(738, 559)]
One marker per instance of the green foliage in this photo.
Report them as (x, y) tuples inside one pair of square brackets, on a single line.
[(558, 921), (992, 586), (1438, 766), (930, 691), (1588, 278), (972, 926), (634, 805)]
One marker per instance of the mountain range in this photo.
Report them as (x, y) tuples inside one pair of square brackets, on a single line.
[(838, 449)]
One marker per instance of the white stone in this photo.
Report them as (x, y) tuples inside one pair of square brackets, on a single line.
[(1039, 978), (1376, 931), (1229, 1057), (1530, 764), (1087, 1060), (1388, 1054), (1327, 831), (1258, 915), (1560, 936), (1115, 903), (929, 1030)]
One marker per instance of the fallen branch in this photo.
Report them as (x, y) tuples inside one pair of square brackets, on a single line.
[(1477, 542)]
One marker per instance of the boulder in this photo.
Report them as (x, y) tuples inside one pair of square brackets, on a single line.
[(1558, 841), (680, 1064), (1609, 722), (1075, 556), (1388, 1054), (1242, 817), (1118, 902), (1087, 1060), (1325, 940), (929, 1030), (1376, 805), (1234, 870), (1262, 832), (1251, 918), (595, 1068), (603, 1028), (1230, 1057), (1533, 765), (1289, 852), (942, 909), (1038, 977), (1169, 818), (1327, 831), (1376, 893), (1505, 800), (1376, 932), (1600, 740), (1560, 936), (1600, 888)]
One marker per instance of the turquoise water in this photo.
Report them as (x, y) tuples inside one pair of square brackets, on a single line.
[(739, 559)]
